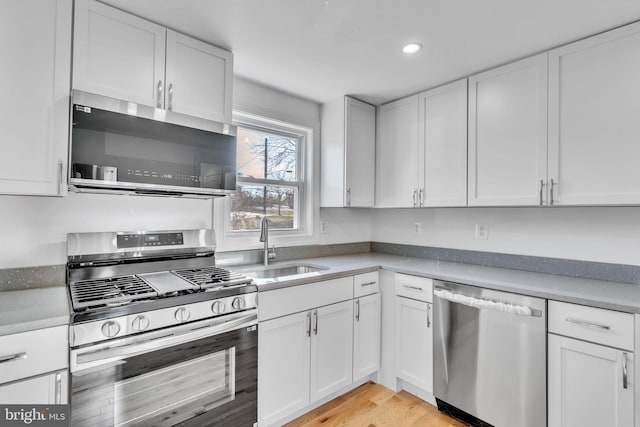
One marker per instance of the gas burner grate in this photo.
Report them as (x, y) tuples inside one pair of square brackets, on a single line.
[(208, 277), (112, 291)]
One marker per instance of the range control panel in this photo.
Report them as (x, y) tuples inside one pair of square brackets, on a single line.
[(151, 239)]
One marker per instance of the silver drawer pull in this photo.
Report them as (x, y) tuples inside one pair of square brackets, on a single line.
[(588, 324), (368, 283), (13, 357), (415, 288)]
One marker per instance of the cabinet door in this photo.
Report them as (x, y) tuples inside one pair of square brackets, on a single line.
[(331, 349), (199, 78), (398, 154), (50, 389), (366, 336), (35, 38), (586, 384), (360, 139), (508, 134), (414, 343), (593, 119), (443, 132), (283, 366), (117, 54)]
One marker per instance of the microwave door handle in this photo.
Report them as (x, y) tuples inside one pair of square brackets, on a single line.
[(107, 353)]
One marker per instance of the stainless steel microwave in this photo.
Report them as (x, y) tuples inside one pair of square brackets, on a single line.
[(126, 148)]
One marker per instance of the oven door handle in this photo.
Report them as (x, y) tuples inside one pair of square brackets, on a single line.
[(113, 351)]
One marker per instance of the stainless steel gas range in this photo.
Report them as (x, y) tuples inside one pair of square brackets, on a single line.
[(159, 335)]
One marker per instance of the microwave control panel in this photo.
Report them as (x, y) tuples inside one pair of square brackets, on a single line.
[(151, 239)]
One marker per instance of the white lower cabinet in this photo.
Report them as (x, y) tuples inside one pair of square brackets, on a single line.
[(283, 366), (303, 357), (50, 389), (587, 385), (590, 366), (331, 349), (366, 336), (414, 348)]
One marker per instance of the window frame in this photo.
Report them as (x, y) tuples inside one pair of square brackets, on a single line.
[(304, 233)]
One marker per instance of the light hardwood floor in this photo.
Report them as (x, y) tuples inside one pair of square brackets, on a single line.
[(373, 405)]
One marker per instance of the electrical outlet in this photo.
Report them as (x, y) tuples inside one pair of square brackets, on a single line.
[(482, 231), (324, 226), (417, 228)]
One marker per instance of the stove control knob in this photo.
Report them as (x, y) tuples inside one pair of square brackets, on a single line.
[(140, 323), (110, 329), (239, 303), (182, 314), (218, 307)]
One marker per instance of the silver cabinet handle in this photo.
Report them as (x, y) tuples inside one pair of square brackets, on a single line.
[(368, 283), (588, 324), (348, 197), (315, 328), (420, 197), (428, 315), (13, 357), (60, 177), (415, 288), (551, 192), (415, 197), (170, 96), (541, 187), (358, 310), (308, 324), (625, 382), (159, 94), (58, 392)]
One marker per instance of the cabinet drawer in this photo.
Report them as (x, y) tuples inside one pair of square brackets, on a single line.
[(414, 287), (294, 299), (365, 284), (607, 327), (32, 353)]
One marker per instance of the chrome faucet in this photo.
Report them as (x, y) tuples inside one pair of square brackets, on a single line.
[(264, 237)]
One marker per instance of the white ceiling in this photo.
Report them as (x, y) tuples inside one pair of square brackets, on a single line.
[(323, 49)]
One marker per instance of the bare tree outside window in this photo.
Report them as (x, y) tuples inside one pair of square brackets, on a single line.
[(268, 181)]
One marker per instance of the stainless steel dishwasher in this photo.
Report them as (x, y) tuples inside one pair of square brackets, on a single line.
[(490, 356)]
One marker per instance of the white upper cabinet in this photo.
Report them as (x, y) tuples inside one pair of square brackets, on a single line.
[(122, 56), (348, 153), (199, 78), (593, 119), (398, 154), (443, 133), (35, 39), (117, 54), (508, 134)]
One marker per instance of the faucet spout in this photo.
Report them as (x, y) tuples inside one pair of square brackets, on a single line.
[(264, 237)]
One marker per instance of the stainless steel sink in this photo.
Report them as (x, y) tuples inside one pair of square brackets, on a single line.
[(282, 271)]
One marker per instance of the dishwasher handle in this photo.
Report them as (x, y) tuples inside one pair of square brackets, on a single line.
[(486, 304)]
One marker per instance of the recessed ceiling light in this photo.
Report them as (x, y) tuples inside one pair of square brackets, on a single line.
[(411, 48)]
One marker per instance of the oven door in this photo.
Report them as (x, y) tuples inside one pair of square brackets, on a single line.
[(200, 374)]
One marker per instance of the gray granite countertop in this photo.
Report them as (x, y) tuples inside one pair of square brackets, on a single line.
[(597, 293), (30, 309)]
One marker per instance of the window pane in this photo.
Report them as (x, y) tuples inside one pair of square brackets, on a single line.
[(251, 202), (267, 155)]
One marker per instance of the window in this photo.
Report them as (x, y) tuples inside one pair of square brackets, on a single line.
[(270, 178)]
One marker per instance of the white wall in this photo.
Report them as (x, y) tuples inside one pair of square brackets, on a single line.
[(34, 229), (345, 225), (604, 234)]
